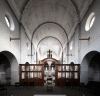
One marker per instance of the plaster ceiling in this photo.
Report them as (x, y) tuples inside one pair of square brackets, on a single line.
[(49, 21)]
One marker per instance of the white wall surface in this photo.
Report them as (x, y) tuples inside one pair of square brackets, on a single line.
[(17, 48), (81, 48)]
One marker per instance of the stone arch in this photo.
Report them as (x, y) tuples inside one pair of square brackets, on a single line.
[(53, 23), (5, 70), (14, 66), (50, 37), (85, 66)]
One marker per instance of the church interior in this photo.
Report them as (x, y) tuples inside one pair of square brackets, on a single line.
[(49, 47)]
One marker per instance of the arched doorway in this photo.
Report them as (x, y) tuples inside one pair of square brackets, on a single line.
[(49, 68), (10, 67), (94, 68), (5, 70), (90, 67)]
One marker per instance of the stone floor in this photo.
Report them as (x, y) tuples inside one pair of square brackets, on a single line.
[(41, 90)]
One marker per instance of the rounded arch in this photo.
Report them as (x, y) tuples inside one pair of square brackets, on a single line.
[(47, 43), (85, 66), (66, 19), (49, 59), (14, 66), (5, 70), (50, 37), (47, 29), (46, 23)]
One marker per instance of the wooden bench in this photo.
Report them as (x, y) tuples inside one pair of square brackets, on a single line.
[(31, 84), (17, 85), (94, 86), (25, 84), (2, 88)]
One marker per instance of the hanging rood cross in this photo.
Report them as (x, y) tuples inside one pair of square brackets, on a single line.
[(49, 52)]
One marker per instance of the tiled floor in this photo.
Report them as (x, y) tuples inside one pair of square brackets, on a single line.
[(41, 90)]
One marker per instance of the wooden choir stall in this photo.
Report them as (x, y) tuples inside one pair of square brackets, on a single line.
[(32, 73), (67, 74), (64, 73)]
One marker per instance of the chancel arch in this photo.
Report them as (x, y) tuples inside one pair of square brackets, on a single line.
[(49, 34), (48, 29), (50, 37)]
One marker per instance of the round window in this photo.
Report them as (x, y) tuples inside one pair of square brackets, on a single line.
[(9, 22), (90, 21)]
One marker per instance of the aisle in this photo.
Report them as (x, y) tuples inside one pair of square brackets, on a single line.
[(57, 90)]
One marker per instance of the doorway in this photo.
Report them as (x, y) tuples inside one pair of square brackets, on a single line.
[(94, 68), (9, 68), (90, 67), (49, 71), (49, 68), (5, 70)]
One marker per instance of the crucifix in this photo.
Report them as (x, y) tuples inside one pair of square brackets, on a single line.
[(49, 53)]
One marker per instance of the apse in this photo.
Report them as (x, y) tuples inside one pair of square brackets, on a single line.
[(52, 44), (49, 36)]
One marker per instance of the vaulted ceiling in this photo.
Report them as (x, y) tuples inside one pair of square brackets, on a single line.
[(49, 24)]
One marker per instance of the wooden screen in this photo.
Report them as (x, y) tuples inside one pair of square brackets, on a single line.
[(32, 73), (67, 73)]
